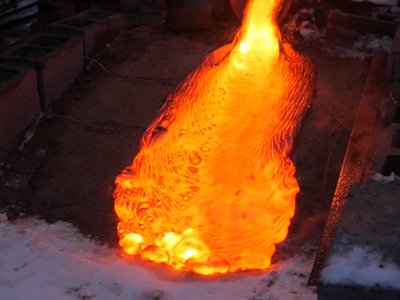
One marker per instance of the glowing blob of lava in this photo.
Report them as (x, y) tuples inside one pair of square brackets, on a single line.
[(212, 189)]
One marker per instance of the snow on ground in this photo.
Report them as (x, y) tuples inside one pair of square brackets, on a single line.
[(42, 261), (385, 179), (361, 266)]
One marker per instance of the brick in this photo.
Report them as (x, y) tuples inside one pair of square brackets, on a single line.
[(19, 103), (57, 61)]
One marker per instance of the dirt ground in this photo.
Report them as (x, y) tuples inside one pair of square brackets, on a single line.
[(66, 171)]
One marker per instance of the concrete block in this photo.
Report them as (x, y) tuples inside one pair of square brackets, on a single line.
[(95, 26), (119, 21), (393, 68), (94, 32), (94, 14), (364, 261), (198, 3), (344, 25), (63, 31), (130, 4), (115, 21), (190, 18), (397, 33), (57, 61), (390, 16), (19, 103)]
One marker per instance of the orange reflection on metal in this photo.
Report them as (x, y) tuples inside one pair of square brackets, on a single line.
[(212, 189)]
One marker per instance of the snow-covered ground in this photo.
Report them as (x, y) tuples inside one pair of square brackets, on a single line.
[(42, 261), (361, 266)]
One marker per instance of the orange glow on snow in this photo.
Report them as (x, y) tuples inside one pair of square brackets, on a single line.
[(212, 189)]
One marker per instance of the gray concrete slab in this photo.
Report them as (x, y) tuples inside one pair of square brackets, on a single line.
[(369, 221)]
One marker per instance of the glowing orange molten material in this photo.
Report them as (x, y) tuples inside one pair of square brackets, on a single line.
[(212, 189)]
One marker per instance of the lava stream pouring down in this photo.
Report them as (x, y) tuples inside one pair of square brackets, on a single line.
[(212, 189)]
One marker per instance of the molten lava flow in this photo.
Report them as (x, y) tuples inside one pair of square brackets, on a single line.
[(212, 189)]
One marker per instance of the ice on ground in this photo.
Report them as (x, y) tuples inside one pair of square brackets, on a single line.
[(42, 261), (361, 266)]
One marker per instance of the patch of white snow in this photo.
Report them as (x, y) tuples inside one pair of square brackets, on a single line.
[(42, 261), (385, 179), (361, 266)]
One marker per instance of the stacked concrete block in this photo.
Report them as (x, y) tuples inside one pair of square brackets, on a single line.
[(37, 71), (19, 102), (94, 32), (115, 21), (57, 61), (130, 5), (97, 15), (94, 26), (97, 28), (103, 20), (120, 21), (193, 14)]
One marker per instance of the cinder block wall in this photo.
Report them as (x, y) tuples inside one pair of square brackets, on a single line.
[(35, 72)]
